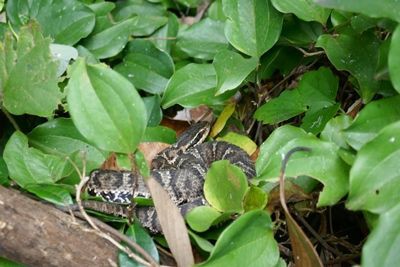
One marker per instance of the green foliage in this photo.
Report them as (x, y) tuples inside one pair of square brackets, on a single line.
[(374, 177), (142, 238), (193, 85), (102, 104), (252, 27), (203, 40), (231, 69), (304, 9), (250, 235), (66, 21), (225, 187), (327, 167), (394, 61), (382, 246), (28, 165), (315, 95), (202, 218), (81, 79), (28, 74), (371, 120), (147, 67), (357, 54)]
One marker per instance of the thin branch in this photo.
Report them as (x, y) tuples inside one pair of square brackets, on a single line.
[(11, 119), (310, 54), (317, 236)]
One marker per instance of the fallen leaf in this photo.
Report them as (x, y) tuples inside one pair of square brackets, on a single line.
[(172, 224), (151, 149)]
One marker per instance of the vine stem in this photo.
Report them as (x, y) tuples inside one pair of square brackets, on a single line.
[(11, 119), (282, 174)]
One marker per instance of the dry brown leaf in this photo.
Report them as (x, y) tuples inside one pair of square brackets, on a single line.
[(293, 193), (172, 224), (151, 149), (202, 113), (304, 253), (110, 163)]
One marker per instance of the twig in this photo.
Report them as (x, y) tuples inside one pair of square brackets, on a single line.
[(11, 119), (105, 227), (202, 8), (310, 54), (317, 236)]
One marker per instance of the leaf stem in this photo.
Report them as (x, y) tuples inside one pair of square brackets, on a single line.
[(11, 119)]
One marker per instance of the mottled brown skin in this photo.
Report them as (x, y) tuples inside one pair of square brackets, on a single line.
[(180, 169)]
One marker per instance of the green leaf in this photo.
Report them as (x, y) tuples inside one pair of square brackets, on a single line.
[(28, 75), (225, 186), (3, 172), (61, 138), (215, 11), (145, 24), (382, 246), (27, 165), (147, 67), (282, 59), (249, 239), (101, 8), (333, 131), (105, 107), (297, 32), (304, 9), (66, 21), (375, 177), (202, 218), (286, 106), (53, 193), (242, 141), (165, 36), (394, 60), (315, 94), (253, 26), (357, 54), (142, 238), (148, 17), (232, 69), (192, 85), (315, 120), (63, 54), (8, 263), (159, 134), (203, 40), (154, 112), (327, 167), (372, 8), (203, 243), (127, 9), (111, 40), (361, 23), (254, 199), (85, 53), (371, 119), (190, 3)]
